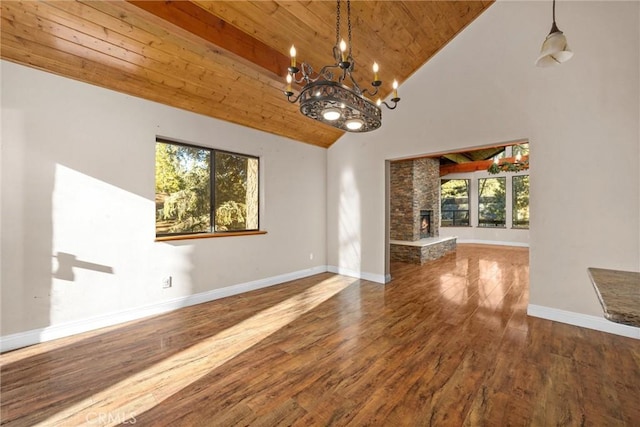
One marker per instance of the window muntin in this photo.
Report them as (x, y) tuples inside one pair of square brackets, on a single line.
[(520, 205), (454, 202), (492, 202), (202, 190)]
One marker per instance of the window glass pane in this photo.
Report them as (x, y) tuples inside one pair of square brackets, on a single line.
[(236, 192), (522, 149), (454, 200), (183, 192), (521, 201), (492, 202), (500, 155)]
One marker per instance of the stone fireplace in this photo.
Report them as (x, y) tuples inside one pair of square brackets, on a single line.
[(414, 202), (415, 188)]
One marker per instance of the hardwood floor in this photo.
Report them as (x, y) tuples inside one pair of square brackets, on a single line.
[(445, 344)]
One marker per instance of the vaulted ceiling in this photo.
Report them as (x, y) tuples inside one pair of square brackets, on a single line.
[(225, 59)]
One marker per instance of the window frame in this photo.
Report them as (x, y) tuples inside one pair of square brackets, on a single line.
[(514, 200), (468, 210), (504, 225), (212, 206)]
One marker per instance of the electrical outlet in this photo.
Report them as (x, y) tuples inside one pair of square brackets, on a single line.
[(166, 282), (311, 256)]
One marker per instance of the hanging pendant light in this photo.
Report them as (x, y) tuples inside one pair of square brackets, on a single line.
[(555, 49)]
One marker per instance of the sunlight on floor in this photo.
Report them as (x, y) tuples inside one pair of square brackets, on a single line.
[(128, 398)]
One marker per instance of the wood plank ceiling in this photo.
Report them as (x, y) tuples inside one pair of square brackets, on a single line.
[(225, 59)]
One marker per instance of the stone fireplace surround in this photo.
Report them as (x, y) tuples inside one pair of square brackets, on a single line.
[(415, 188)]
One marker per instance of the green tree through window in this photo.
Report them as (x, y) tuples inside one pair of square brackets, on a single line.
[(454, 197), (236, 192), (521, 149), (184, 197), (521, 201), (492, 202)]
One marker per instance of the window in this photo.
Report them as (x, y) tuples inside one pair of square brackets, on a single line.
[(521, 149), (521, 201), (500, 155), (492, 202), (201, 190), (454, 197)]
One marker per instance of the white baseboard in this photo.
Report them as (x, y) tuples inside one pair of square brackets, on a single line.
[(583, 320), (35, 336), (493, 242), (378, 278)]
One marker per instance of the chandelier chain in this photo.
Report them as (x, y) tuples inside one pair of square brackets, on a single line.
[(338, 23), (349, 24)]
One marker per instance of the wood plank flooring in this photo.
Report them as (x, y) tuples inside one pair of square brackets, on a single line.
[(444, 344)]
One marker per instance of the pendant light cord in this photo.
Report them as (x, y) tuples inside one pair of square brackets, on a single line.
[(554, 27)]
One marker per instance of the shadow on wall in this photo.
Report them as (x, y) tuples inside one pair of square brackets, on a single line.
[(67, 262), (71, 227), (98, 229)]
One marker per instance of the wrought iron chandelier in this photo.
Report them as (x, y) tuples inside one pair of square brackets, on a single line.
[(328, 98)]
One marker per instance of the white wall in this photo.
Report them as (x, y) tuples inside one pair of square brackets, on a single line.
[(582, 121), (78, 181)]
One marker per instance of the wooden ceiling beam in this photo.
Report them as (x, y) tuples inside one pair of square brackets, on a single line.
[(197, 21), (465, 167), (475, 166), (457, 157)]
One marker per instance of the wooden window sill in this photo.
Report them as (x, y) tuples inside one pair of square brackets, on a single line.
[(208, 235)]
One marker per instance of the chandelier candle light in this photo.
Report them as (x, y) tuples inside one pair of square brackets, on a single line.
[(329, 99)]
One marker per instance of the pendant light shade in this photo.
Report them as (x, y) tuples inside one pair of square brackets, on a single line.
[(555, 49)]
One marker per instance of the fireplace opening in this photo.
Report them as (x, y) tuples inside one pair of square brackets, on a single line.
[(426, 230)]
